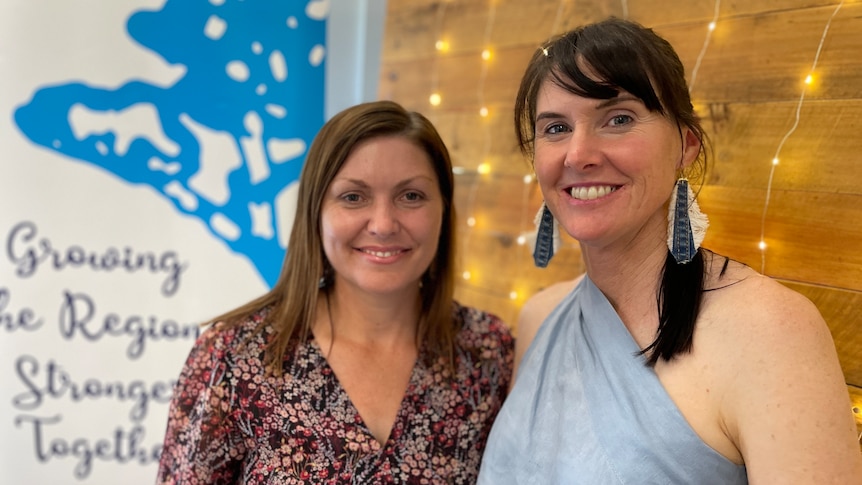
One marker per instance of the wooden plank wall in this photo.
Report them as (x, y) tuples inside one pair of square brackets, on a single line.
[(748, 88)]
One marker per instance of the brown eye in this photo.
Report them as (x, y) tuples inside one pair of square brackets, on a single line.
[(413, 196)]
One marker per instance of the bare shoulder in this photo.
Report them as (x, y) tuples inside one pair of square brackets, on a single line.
[(540, 305), (786, 406), (760, 302), (535, 311), (761, 320)]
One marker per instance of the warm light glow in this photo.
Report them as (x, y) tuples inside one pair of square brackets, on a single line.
[(528, 179), (442, 46), (471, 221), (435, 99), (486, 54), (522, 240), (483, 112), (762, 245), (809, 79), (484, 168), (711, 26), (513, 295), (775, 161), (465, 275)]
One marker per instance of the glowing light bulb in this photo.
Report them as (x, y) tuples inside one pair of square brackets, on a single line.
[(441, 45), (486, 54), (484, 168), (466, 275), (762, 245), (528, 179), (471, 221), (775, 161), (435, 99), (513, 295), (809, 79), (711, 26), (522, 240), (483, 112)]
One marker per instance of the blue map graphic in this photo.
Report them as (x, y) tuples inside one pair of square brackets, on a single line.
[(223, 142)]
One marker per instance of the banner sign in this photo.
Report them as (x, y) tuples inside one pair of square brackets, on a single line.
[(150, 151)]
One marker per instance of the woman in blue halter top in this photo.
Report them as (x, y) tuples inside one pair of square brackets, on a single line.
[(665, 363)]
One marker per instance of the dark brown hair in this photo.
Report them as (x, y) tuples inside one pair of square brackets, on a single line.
[(293, 298)]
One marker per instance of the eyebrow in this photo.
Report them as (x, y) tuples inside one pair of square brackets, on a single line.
[(617, 100), (603, 104), (403, 183)]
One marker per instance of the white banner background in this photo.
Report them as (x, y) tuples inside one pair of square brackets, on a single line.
[(88, 354)]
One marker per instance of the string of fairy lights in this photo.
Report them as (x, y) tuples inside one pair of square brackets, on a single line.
[(809, 79), (442, 46), (709, 30), (484, 167)]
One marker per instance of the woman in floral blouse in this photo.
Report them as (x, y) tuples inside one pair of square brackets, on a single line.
[(358, 366)]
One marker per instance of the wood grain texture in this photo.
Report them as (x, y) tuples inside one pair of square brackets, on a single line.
[(821, 155), (812, 237)]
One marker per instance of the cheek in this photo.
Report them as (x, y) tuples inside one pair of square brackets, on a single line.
[(330, 232), (546, 177), (430, 227), (545, 165)]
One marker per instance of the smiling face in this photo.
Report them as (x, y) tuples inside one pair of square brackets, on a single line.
[(607, 166), (381, 217)]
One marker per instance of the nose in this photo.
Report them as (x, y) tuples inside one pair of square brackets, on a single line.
[(383, 220), (584, 150)]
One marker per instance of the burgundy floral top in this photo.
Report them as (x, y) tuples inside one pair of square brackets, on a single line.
[(230, 422)]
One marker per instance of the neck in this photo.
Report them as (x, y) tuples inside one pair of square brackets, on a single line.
[(383, 321), (629, 274)]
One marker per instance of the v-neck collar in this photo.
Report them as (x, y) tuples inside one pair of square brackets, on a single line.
[(413, 384)]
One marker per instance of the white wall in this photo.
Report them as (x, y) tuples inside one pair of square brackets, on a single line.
[(355, 35)]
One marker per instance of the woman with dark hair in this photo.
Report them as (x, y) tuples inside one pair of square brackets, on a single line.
[(665, 363), (358, 366)]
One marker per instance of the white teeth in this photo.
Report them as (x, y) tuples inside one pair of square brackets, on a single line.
[(590, 193), (382, 254)]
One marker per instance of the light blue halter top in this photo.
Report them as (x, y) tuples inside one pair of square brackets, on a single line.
[(586, 410)]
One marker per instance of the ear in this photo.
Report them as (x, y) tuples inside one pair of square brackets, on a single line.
[(691, 147)]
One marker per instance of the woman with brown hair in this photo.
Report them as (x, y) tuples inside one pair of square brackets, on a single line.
[(358, 366)]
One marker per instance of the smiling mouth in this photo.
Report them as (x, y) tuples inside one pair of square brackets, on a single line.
[(592, 192), (382, 254)]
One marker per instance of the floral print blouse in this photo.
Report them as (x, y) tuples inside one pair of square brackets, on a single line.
[(230, 422)]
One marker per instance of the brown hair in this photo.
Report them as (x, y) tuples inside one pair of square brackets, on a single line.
[(293, 298)]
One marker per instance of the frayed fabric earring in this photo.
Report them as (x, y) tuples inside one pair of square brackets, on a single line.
[(547, 237), (686, 224)]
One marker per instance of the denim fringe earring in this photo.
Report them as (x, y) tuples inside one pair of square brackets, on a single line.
[(547, 237), (686, 223)]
